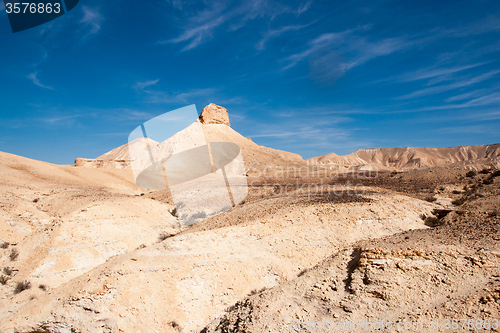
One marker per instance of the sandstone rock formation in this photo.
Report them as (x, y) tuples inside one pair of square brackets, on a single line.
[(216, 128), (214, 114)]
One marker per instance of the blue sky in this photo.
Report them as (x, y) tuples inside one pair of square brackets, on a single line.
[(308, 76)]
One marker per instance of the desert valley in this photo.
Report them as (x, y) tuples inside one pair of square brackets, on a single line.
[(406, 236)]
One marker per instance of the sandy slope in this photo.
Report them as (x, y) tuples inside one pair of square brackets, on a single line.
[(191, 278)]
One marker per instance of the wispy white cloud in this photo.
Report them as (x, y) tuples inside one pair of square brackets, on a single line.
[(176, 3), (142, 85), (157, 96), (493, 98), (317, 44), (33, 77), (135, 114), (486, 100), (430, 73), (370, 50), (58, 121), (201, 27), (237, 117), (483, 116), (253, 9), (92, 18), (487, 25), (270, 34), (285, 134), (161, 97), (229, 101), (467, 95), (304, 7), (471, 129), (355, 50), (300, 130), (456, 85)]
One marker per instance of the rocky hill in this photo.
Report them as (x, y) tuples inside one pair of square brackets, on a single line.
[(216, 128), (407, 158)]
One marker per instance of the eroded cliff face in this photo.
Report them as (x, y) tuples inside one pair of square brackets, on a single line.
[(407, 158)]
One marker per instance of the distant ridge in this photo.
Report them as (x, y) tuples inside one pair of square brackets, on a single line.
[(408, 158), (216, 127)]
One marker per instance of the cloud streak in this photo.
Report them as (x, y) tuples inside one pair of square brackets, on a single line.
[(348, 45), (161, 97), (33, 77), (470, 129), (59, 121), (142, 85), (304, 7), (434, 72), (202, 26), (456, 85), (487, 25), (271, 34), (91, 19), (285, 134)]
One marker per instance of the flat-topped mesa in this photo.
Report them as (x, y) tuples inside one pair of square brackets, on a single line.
[(214, 114)]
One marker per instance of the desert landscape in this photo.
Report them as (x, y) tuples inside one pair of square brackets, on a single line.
[(394, 239)]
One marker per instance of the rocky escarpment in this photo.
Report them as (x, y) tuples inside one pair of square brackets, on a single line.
[(407, 158)]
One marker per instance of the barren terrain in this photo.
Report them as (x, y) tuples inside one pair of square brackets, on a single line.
[(84, 249)]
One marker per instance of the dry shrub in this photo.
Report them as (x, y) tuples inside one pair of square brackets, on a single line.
[(8, 271), (4, 279), (22, 286), (14, 254)]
